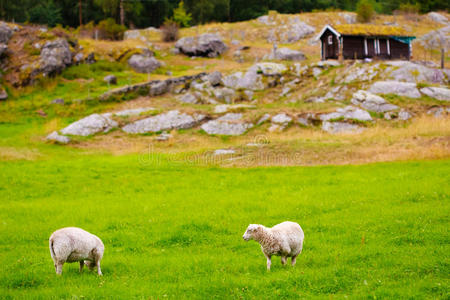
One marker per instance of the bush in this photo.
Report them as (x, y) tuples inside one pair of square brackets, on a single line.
[(110, 30), (180, 16), (409, 11), (169, 31), (365, 11)]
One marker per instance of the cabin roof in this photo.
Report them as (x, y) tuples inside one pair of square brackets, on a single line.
[(370, 30)]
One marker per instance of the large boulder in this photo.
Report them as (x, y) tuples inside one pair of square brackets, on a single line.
[(291, 33), (162, 122), (439, 93), (341, 127), (372, 102), (411, 72), (405, 89), (5, 33), (268, 69), (143, 64), (55, 57), (347, 113), (206, 45), (90, 125), (229, 124), (437, 17), (287, 54)]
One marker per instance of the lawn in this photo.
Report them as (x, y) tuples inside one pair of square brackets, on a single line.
[(175, 231)]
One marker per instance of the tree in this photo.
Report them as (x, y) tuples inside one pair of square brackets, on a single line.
[(80, 7), (365, 11), (46, 13), (116, 8), (180, 16)]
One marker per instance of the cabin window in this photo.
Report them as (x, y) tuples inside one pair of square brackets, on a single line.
[(330, 40)]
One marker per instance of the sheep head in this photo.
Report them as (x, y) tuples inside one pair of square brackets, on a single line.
[(252, 232)]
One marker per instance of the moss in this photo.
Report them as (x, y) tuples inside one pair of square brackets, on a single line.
[(370, 30)]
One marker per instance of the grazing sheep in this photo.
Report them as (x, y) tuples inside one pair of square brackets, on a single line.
[(73, 244), (285, 240)]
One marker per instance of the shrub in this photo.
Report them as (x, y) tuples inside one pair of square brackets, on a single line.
[(180, 16), (169, 31), (365, 11), (409, 11), (110, 30)]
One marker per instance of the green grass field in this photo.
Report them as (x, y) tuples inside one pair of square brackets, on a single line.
[(175, 231)]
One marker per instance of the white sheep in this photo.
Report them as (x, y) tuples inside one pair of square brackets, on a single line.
[(284, 239), (73, 244)]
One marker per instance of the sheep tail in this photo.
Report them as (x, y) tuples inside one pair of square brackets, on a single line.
[(52, 252)]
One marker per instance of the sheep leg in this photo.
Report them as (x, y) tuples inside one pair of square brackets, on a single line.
[(99, 270), (58, 267), (283, 260), (81, 266), (294, 260), (269, 262)]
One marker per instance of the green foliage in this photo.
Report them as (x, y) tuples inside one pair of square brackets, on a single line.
[(111, 30), (180, 16), (365, 11), (383, 235), (46, 13), (409, 8)]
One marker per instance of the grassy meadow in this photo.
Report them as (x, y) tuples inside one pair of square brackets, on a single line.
[(174, 231)]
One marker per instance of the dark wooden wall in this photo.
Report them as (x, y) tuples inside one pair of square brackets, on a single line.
[(329, 51), (399, 49), (354, 46)]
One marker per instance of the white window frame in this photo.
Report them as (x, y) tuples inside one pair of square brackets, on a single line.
[(330, 40), (388, 47), (366, 52)]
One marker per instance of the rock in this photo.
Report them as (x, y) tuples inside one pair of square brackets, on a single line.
[(347, 113), (276, 128), (438, 18), (282, 119), (359, 73), (56, 137), (268, 69), (224, 152), (287, 54), (3, 94), (55, 57), (166, 121), (229, 124), (372, 102), (266, 20), (78, 58), (251, 80), (223, 108), (215, 78), (325, 64), (90, 125), (189, 98), (5, 33), (286, 90), (205, 45), (404, 115), (350, 18), (133, 112), (263, 119), (158, 88), (341, 127), (143, 64), (110, 79), (439, 93), (316, 72), (291, 33), (3, 49), (59, 101), (226, 95), (303, 121), (395, 87), (438, 112), (164, 137), (412, 72)]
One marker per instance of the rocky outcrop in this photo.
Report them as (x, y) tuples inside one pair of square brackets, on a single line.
[(287, 54), (223, 108), (162, 122), (205, 45), (5, 33), (229, 124), (437, 17), (347, 113), (57, 138), (90, 125), (291, 33), (412, 72), (143, 64), (395, 87), (55, 57), (341, 127), (133, 112), (372, 102), (268, 69), (439, 93), (215, 78)]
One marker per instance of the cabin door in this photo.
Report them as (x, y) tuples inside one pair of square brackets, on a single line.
[(371, 48), (331, 46)]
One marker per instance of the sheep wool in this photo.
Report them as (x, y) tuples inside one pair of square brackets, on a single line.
[(284, 239), (73, 244)]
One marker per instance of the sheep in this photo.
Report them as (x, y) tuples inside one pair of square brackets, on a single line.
[(284, 239), (74, 244)]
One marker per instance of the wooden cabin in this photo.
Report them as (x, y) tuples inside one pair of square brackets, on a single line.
[(359, 41)]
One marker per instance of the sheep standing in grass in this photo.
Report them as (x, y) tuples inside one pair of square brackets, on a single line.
[(73, 244), (285, 240)]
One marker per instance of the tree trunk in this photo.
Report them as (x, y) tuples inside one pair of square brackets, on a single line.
[(80, 9), (122, 13)]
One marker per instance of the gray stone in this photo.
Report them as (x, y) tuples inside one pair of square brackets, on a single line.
[(215, 78), (263, 119), (158, 88), (224, 152), (226, 95), (347, 113), (350, 18), (189, 98), (281, 118), (164, 137), (166, 121), (133, 112), (205, 45), (5, 33), (404, 115), (110, 79), (341, 127), (59, 101), (372, 102), (143, 64), (395, 87), (56, 137), (55, 57), (439, 93), (268, 69), (266, 20), (412, 72), (291, 33), (90, 125), (229, 124), (223, 108), (276, 127), (288, 54), (325, 64), (438, 112), (437, 17)]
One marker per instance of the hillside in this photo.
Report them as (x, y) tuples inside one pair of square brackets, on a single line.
[(257, 109)]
